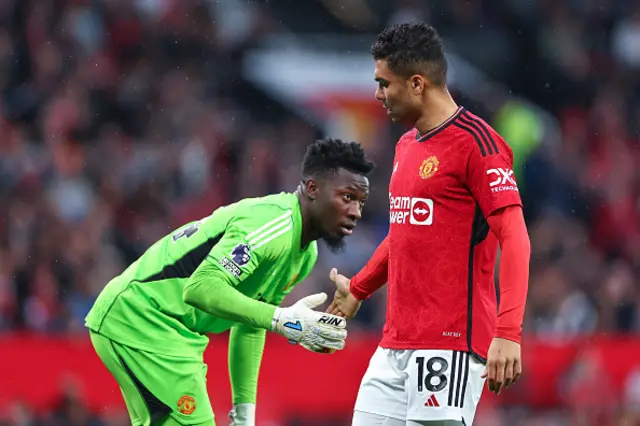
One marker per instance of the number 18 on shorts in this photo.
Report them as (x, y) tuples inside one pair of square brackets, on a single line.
[(422, 385)]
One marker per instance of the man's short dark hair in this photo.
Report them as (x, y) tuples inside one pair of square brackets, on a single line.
[(329, 155), (412, 48)]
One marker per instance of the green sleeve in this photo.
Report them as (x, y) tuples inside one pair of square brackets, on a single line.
[(246, 345), (209, 290), (249, 240)]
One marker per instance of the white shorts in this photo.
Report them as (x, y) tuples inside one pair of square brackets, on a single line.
[(422, 385)]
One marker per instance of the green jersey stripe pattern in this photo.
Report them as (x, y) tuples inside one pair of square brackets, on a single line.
[(270, 230)]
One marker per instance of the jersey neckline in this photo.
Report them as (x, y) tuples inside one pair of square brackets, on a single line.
[(431, 133)]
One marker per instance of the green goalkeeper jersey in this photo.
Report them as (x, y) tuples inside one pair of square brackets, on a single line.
[(254, 242)]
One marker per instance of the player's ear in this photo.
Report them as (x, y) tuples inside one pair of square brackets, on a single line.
[(311, 188), (418, 84)]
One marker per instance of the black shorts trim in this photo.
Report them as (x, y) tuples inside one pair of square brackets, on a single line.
[(157, 409)]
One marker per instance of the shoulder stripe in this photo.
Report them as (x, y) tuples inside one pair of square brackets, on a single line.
[(467, 121), (278, 219), (483, 128), (262, 242), (270, 230), (483, 151)]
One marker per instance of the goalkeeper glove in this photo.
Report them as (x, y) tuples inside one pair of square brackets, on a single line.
[(300, 324), (243, 414)]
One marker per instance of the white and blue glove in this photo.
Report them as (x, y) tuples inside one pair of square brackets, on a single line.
[(315, 331), (243, 414)]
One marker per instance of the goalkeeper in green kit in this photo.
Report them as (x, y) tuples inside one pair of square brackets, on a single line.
[(228, 271)]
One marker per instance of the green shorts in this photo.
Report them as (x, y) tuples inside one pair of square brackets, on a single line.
[(158, 389)]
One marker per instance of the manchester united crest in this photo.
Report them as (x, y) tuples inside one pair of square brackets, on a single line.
[(429, 167), (186, 404)]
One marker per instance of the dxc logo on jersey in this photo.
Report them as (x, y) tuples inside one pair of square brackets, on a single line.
[(503, 180), (419, 211), (503, 176)]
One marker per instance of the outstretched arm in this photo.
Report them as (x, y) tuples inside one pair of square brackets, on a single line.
[(350, 293), (374, 275), (239, 253), (208, 289)]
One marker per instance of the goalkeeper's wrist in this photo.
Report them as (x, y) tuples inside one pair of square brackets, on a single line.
[(275, 319), (262, 316)]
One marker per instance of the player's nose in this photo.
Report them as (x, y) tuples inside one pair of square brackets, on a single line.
[(379, 94), (354, 213)]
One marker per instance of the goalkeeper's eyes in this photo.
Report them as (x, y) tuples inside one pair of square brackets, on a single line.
[(350, 197)]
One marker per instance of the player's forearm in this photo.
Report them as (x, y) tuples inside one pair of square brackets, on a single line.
[(514, 272), (514, 278), (374, 275), (210, 292), (246, 346)]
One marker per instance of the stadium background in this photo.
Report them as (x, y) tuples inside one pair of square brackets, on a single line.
[(121, 119)]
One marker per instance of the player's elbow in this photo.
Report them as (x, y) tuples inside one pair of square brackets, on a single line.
[(521, 236), (195, 293), (517, 239), (526, 243), (189, 294), (199, 292)]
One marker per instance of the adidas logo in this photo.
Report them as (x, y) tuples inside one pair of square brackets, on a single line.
[(432, 402)]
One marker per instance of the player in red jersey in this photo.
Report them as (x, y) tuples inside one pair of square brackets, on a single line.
[(453, 200)]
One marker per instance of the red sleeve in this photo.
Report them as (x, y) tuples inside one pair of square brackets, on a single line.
[(490, 177), (374, 275), (509, 227)]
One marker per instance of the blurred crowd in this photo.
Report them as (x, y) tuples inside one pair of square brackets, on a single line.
[(119, 124), (121, 120)]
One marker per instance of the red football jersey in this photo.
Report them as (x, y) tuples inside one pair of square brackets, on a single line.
[(441, 292)]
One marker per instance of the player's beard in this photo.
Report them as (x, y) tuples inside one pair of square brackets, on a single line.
[(335, 243)]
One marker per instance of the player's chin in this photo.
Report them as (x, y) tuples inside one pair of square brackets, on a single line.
[(335, 241), (393, 115), (400, 116)]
